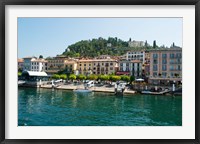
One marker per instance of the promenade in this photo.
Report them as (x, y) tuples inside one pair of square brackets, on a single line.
[(95, 89)]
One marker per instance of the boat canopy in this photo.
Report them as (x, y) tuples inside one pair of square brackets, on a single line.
[(34, 73)]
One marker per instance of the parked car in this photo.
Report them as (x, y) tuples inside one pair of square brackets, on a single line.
[(90, 84)]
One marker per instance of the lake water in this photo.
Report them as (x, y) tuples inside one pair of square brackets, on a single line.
[(47, 107)]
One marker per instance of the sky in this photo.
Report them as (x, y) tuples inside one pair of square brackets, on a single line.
[(51, 36)]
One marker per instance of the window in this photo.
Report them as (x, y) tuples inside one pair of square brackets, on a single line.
[(164, 67), (164, 74), (171, 67), (171, 55), (111, 64), (84, 64), (111, 68), (155, 74), (102, 63), (155, 61), (179, 67), (179, 60), (155, 55), (164, 55), (80, 65), (164, 61), (155, 68)]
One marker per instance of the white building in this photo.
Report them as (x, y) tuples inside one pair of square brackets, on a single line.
[(34, 64), (136, 43), (27, 63), (38, 65), (136, 55)]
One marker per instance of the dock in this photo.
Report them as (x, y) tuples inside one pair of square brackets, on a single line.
[(94, 89)]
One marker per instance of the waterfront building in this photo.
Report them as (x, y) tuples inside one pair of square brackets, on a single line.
[(124, 67), (85, 66), (34, 78), (27, 63), (38, 65), (132, 68), (136, 68), (20, 64), (105, 66), (70, 66), (97, 66), (136, 55), (166, 64), (56, 64)]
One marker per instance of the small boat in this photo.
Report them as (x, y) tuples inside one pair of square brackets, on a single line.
[(82, 90), (21, 82), (154, 93)]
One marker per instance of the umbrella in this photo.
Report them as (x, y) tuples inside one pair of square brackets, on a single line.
[(139, 79)]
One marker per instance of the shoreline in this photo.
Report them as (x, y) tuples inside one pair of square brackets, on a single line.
[(94, 89)]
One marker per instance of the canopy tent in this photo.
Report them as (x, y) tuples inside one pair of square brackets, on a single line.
[(34, 73), (139, 79)]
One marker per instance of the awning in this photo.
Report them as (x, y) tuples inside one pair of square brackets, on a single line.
[(139, 79), (34, 73), (122, 73)]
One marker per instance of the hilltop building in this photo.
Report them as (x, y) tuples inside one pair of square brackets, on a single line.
[(136, 43)]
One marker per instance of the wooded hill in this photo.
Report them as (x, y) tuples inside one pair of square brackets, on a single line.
[(96, 47)]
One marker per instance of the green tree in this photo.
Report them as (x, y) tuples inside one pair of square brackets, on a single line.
[(132, 78), (154, 44), (92, 77), (115, 78), (81, 77), (103, 77), (72, 76), (63, 76), (56, 76), (19, 73), (125, 78), (41, 56)]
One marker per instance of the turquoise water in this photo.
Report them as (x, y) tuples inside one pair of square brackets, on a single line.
[(46, 107)]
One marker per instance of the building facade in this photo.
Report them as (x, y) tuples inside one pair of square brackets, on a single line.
[(70, 66), (132, 68), (166, 63), (27, 63), (20, 64), (136, 43), (56, 64), (38, 65), (136, 55), (97, 66)]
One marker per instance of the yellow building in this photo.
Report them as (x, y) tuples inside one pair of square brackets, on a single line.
[(59, 63), (70, 65), (97, 66)]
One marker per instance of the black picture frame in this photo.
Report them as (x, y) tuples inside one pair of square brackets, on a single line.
[(3, 3)]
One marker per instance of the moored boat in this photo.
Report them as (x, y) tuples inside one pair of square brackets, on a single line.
[(82, 90)]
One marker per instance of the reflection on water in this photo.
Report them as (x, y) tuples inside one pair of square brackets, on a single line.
[(47, 107)]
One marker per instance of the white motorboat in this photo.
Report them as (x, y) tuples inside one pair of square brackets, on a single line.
[(82, 90)]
